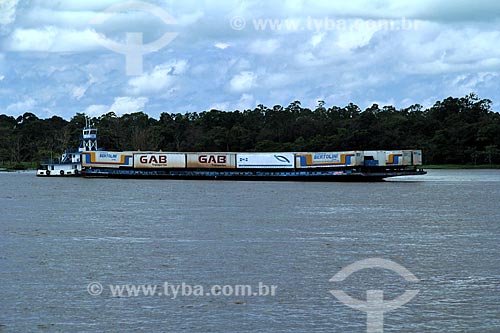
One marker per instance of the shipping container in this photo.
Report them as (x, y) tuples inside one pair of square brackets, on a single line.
[(329, 159), (417, 157), (211, 160), (107, 159), (407, 157), (265, 160), (159, 160), (374, 158), (394, 157)]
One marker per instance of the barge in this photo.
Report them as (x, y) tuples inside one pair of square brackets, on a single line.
[(368, 165), (298, 166)]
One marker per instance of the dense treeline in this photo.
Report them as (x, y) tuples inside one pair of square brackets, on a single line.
[(453, 131)]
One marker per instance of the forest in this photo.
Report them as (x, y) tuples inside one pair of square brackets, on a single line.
[(462, 131)]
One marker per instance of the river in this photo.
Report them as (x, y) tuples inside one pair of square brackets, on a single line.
[(67, 244)]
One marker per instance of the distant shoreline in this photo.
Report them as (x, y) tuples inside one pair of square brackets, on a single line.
[(16, 170), (461, 166)]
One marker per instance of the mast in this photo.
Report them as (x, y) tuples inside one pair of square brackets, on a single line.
[(89, 137)]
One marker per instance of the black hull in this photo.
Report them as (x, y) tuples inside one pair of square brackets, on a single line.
[(255, 175)]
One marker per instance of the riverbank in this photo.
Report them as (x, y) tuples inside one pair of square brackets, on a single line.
[(461, 166), (21, 166)]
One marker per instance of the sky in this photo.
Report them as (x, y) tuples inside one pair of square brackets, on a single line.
[(61, 57)]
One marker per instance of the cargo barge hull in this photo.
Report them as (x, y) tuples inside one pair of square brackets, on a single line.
[(347, 175)]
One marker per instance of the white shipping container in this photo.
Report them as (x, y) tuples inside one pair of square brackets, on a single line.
[(159, 160), (211, 160), (358, 159), (394, 157), (265, 160), (106, 159), (407, 157), (329, 159), (417, 157), (375, 155)]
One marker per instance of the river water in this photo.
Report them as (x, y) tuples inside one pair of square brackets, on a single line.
[(57, 236)]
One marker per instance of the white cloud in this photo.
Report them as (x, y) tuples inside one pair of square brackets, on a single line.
[(357, 37), (120, 106), (264, 47), (52, 39), (27, 105), (74, 5), (78, 92), (40, 17), (467, 83), (2, 77), (316, 39), (96, 110), (453, 43), (160, 78), (124, 105), (222, 46), (439, 49), (243, 81), (308, 59), (189, 18), (63, 15), (220, 106), (246, 101), (445, 11), (7, 11), (241, 64), (277, 80)]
